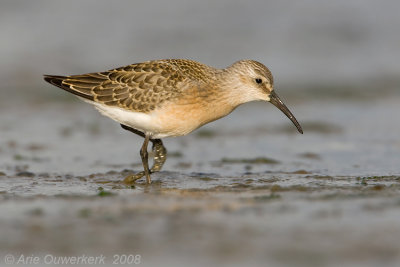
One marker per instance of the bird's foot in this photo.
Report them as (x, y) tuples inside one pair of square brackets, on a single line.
[(131, 178)]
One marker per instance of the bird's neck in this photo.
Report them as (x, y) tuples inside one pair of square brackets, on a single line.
[(233, 89)]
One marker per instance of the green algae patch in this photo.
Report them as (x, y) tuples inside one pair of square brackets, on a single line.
[(103, 193), (19, 157), (269, 197)]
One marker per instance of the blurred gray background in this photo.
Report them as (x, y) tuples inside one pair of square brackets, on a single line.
[(329, 48)]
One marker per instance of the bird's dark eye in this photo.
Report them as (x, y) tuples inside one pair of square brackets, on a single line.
[(258, 80)]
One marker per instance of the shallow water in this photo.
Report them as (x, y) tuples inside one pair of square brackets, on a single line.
[(246, 189)]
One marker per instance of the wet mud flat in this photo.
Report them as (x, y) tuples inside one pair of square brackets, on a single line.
[(244, 190)]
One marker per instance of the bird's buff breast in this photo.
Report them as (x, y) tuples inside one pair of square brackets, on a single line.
[(181, 118)]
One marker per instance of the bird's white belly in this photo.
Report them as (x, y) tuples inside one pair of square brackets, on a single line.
[(137, 120), (147, 123)]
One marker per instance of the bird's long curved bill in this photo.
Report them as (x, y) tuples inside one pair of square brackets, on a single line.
[(277, 102)]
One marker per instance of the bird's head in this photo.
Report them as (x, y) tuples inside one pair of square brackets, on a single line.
[(255, 82)]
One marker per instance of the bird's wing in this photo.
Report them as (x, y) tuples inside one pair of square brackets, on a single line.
[(137, 87)]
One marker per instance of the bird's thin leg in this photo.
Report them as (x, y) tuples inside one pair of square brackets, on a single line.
[(145, 158), (144, 155), (160, 155), (133, 177)]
